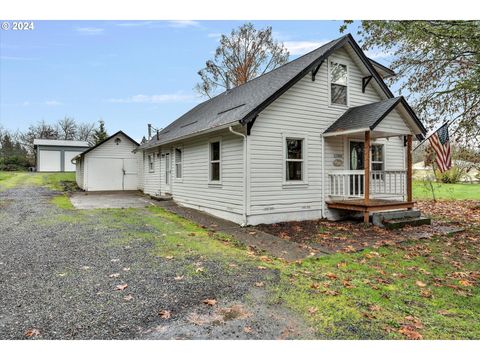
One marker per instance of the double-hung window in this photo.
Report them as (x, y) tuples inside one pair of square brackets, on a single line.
[(338, 83), (294, 159), (215, 161), (178, 163), (150, 163)]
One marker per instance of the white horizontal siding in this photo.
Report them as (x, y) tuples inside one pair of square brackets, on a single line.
[(303, 109), (194, 188), (393, 123), (140, 170), (151, 179), (109, 149)]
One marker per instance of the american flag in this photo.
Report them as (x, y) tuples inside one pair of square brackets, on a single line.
[(440, 142)]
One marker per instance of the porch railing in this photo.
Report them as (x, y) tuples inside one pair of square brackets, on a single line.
[(351, 183)]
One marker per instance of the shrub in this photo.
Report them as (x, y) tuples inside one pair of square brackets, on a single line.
[(452, 176)]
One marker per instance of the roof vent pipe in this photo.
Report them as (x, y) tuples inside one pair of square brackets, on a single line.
[(227, 82)]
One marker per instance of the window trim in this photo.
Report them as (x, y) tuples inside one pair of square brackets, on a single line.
[(304, 138), (347, 152), (179, 147), (151, 164), (383, 157), (210, 161), (329, 68)]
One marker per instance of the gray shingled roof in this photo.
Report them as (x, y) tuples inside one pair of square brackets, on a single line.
[(234, 105), (363, 117)]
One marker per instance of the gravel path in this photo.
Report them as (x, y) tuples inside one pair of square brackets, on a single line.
[(55, 278)]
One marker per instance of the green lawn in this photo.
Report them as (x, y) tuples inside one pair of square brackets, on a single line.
[(421, 191), (421, 289), (14, 179)]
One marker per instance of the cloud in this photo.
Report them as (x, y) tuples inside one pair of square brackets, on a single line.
[(378, 54), (52, 103), (183, 23), (135, 24), (155, 99), (214, 35), (303, 47), (89, 30)]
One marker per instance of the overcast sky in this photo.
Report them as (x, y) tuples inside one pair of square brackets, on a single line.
[(129, 73)]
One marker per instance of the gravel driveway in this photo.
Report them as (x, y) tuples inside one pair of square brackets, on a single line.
[(60, 278)]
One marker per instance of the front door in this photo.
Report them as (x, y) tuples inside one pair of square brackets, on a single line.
[(168, 172), (357, 149)]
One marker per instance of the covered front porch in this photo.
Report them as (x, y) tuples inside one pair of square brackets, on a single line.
[(367, 182)]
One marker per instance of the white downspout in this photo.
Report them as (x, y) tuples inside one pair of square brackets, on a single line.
[(245, 177), (323, 176)]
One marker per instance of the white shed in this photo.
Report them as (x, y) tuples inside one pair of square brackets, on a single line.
[(108, 166), (57, 155)]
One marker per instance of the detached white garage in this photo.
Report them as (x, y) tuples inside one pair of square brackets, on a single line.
[(108, 166), (57, 155)]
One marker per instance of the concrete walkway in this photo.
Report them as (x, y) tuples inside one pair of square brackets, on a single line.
[(251, 237), (254, 238), (109, 200)]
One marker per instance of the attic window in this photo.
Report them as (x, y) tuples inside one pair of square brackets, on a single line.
[(118, 141), (338, 83)]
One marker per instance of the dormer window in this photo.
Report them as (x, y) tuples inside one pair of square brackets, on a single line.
[(338, 83)]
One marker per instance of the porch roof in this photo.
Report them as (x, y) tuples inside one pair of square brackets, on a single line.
[(367, 117)]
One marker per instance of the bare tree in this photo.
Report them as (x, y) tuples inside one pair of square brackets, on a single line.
[(41, 130), (85, 132), (66, 128), (241, 56)]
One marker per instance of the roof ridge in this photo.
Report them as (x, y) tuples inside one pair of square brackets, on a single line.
[(226, 92)]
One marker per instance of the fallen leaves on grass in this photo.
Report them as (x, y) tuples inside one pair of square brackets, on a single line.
[(420, 283), (331, 275), (465, 282), (410, 333), (199, 269), (128, 297), (164, 314), (179, 277), (32, 332), (259, 284), (115, 275), (210, 302), (169, 257), (426, 294), (260, 267), (312, 310), (331, 292), (247, 329), (121, 287)]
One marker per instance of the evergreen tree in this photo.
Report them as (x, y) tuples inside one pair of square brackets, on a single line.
[(100, 133)]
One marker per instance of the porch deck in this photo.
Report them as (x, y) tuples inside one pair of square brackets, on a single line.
[(366, 207), (370, 205)]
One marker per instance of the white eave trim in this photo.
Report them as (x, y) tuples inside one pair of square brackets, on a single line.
[(345, 132)]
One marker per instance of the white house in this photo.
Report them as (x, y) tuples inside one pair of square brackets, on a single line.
[(289, 145), (57, 155), (109, 165)]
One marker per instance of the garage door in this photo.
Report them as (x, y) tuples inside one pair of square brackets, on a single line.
[(49, 160), (69, 155), (104, 174)]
